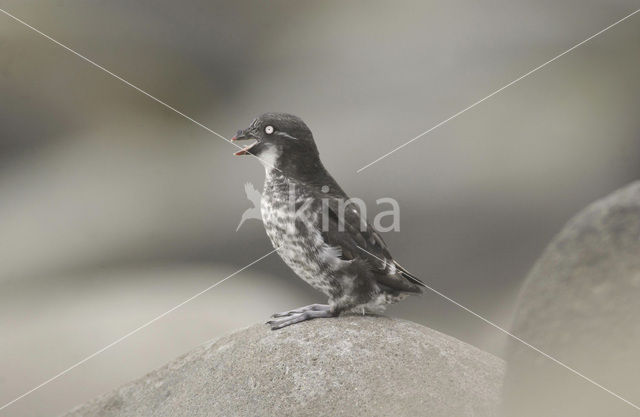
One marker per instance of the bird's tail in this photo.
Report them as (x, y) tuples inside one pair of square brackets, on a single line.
[(409, 276)]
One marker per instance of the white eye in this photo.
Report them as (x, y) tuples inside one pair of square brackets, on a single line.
[(268, 130)]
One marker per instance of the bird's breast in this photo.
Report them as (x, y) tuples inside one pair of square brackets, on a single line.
[(292, 225)]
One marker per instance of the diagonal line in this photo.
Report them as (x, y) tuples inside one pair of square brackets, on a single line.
[(586, 378), (264, 256), (182, 303), (132, 332), (135, 87), (496, 92)]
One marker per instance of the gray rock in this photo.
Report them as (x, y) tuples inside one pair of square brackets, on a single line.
[(581, 305), (346, 366)]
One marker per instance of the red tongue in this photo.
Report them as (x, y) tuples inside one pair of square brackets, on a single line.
[(245, 150)]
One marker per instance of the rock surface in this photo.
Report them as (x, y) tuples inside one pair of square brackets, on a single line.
[(348, 366), (581, 305)]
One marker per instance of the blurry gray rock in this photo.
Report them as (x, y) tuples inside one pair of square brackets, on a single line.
[(346, 366), (581, 304)]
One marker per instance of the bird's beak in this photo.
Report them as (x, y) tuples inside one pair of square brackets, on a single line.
[(242, 135)]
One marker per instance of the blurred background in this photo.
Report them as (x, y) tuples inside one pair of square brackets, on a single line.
[(113, 209)]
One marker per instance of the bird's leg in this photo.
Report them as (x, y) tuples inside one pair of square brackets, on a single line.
[(299, 317), (311, 307), (285, 321)]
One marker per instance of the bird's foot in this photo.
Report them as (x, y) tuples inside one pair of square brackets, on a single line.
[(311, 307), (299, 316)]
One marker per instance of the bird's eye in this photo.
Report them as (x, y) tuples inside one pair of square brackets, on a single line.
[(268, 130)]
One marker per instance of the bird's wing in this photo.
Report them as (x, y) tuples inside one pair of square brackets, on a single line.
[(357, 239), (252, 194)]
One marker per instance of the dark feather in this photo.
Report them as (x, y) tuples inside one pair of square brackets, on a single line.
[(408, 275), (358, 239)]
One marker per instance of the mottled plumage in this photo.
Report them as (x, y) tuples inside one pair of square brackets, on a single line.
[(319, 234)]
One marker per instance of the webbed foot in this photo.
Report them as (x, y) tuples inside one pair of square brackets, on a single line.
[(310, 312), (311, 307)]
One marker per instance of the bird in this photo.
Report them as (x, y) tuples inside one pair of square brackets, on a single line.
[(254, 196), (317, 229)]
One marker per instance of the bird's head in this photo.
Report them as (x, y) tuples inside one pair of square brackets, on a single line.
[(282, 141)]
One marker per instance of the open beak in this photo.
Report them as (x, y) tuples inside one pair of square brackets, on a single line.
[(242, 135)]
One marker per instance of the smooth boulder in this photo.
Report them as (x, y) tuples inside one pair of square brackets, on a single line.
[(581, 305), (347, 366)]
